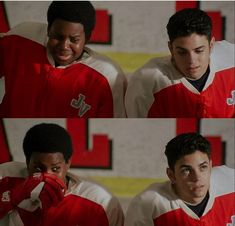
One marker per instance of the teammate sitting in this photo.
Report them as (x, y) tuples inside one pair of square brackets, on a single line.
[(197, 80), (44, 193), (49, 72), (196, 194)]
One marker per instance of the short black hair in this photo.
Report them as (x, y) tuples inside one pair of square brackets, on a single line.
[(47, 138), (188, 21), (185, 144), (73, 11)]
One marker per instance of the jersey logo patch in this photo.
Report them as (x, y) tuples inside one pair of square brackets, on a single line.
[(232, 220), (6, 196), (81, 105), (231, 100)]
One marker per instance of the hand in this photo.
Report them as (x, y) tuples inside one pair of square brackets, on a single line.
[(53, 191), (40, 190)]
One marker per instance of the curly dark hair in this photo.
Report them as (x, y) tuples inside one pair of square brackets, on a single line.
[(47, 138), (188, 21), (73, 11), (185, 144)]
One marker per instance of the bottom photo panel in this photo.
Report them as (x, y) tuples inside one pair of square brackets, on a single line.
[(117, 172)]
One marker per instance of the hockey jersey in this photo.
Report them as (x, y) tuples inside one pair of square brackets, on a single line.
[(158, 205), (85, 203), (94, 86), (159, 90)]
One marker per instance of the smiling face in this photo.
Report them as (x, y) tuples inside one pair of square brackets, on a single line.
[(191, 54), (66, 41), (53, 163), (191, 177)]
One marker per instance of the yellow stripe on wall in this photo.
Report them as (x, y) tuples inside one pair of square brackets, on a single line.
[(125, 187), (129, 62)]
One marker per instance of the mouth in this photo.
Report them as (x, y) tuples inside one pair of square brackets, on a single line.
[(193, 69), (63, 57), (198, 188)]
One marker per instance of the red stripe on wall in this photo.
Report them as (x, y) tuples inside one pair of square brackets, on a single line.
[(217, 24), (4, 27), (192, 125), (99, 156), (186, 125), (216, 150), (101, 33), (179, 5)]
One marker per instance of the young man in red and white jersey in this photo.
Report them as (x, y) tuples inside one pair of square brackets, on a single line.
[(197, 80), (43, 193), (196, 194), (49, 71)]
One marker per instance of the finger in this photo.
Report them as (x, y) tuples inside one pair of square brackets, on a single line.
[(50, 196), (55, 181)]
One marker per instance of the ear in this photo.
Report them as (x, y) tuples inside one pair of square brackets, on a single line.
[(210, 164), (48, 30), (170, 47), (68, 164), (212, 42), (171, 175)]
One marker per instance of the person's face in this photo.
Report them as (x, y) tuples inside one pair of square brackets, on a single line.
[(191, 177), (191, 54), (66, 41), (53, 163)]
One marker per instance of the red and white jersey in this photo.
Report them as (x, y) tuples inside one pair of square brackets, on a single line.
[(84, 204), (94, 86), (159, 90), (158, 205)]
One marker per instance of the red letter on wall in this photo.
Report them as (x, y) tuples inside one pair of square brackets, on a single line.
[(102, 33), (100, 156), (193, 125)]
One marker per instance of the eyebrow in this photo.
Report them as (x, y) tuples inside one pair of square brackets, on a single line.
[(181, 48), (188, 166), (41, 164), (61, 34)]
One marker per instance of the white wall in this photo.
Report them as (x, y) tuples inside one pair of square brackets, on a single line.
[(138, 26)]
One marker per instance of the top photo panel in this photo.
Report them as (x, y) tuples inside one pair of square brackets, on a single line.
[(117, 59)]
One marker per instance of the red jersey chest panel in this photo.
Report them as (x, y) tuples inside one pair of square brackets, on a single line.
[(76, 211), (215, 101), (220, 214), (72, 211), (34, 88)]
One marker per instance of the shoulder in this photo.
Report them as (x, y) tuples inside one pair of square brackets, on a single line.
[(223, 175), (157, 199), (158, 69), (223, 45), (223, 172), (102, 64), (155, 75), (34, 31), (222, 55), (157, 191), (91, 191), (13, 169)]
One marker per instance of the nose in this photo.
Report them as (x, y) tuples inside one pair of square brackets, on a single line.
[(195, 176), (64, 44), (49, 171), (191, 58)]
